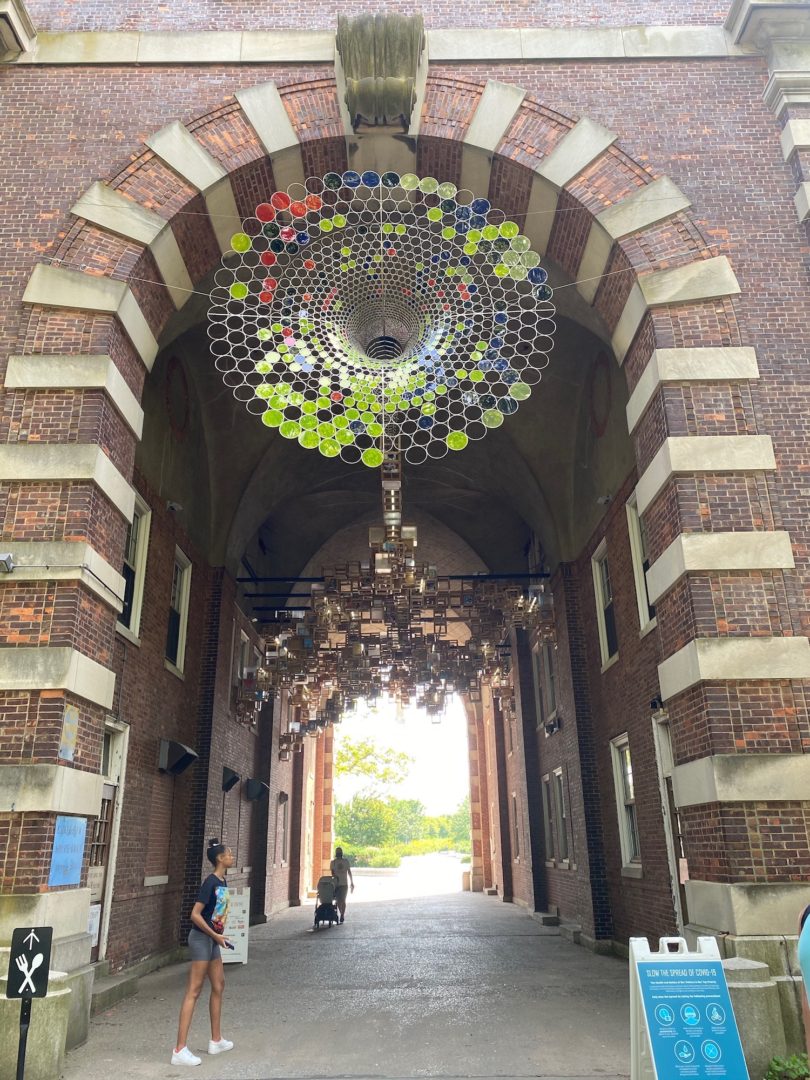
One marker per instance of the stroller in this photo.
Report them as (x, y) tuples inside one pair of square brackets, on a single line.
[(326, 909)]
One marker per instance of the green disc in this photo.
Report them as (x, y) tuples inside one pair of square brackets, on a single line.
[(290, 430), (329, 448), (448, 232), (428, 185), (434, 214), (308, 439), (238, 290), (240, 242), (446, 191), (509, 229), (272, 418), (457, 440), (372, 457), (492, 418), (409, 182), (520, 391)]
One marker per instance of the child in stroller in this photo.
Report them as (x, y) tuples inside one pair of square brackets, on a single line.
[(326, 909)]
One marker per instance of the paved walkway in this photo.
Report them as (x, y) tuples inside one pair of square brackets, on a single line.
[(453, 985)]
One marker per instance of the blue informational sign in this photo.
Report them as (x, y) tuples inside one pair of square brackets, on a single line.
[(68, 851), (693, 1033)]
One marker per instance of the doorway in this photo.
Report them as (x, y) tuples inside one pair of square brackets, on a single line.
[(105, 831)]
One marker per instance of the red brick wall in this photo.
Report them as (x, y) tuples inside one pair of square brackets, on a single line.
[(208, 15)]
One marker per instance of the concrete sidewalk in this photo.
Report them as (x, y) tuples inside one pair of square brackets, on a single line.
[(451, 986)]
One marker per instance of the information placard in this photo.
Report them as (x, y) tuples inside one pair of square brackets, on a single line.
[(682, 1011), (238, 926)]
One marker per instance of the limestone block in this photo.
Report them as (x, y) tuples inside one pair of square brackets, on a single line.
[(68, 560), (757, 1008), (263, 107), (712, 364), (744, 910), (734, 659), (46, 1037), (77, 372), (189, 47), (58, 668), (66, 910), (465, 44), (80, 984), (30, 789), (225, 220), (572, 43), (802, 200), (177, 147), (496, 110), (54, 286), (664, 41), (717, 552), (742, 778), (68, 461), (86, 47), (795, 136), (288, 46), (583, 144), (702, 454)]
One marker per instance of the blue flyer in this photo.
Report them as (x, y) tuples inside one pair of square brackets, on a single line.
[(690, 1021)]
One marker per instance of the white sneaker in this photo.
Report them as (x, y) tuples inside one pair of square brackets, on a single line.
[(185, 1057), (220, 1047)]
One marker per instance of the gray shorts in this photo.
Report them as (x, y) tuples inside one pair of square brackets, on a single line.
[(202, 947)]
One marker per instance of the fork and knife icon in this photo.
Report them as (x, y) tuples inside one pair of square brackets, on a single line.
[(28, 972)]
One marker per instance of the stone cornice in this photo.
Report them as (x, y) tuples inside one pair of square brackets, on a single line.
[(757, 23), (618, 43)]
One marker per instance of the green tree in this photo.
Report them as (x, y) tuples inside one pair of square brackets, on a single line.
[(461, 823), (383, 766), (366, 821), (410, 817)]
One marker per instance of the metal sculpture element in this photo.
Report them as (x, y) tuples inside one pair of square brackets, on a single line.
[(380, 56), (368, 314)]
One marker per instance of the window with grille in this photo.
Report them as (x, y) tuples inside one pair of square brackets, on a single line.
[(548, 820)]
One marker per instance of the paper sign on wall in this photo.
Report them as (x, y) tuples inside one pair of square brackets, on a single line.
[(70, 733), (68, 851)]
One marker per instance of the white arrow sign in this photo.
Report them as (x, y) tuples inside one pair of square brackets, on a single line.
[(32, 937)]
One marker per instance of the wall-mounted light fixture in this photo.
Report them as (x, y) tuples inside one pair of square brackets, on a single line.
[(6, 562), (255, 789), (174, 757), (229, 778)]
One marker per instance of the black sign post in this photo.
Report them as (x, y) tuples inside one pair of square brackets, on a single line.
[(29, 967)]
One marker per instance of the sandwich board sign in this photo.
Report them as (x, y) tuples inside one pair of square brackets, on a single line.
[(238, 925), (682, 1025)]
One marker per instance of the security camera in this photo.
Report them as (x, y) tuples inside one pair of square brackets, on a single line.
[(175, 507), (656, 704)]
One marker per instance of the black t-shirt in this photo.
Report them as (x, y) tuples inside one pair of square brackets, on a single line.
[(215, 899)]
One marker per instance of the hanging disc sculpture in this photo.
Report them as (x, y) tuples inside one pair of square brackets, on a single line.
[(362, 312)]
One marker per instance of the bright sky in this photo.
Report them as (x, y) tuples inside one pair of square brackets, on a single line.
[(439, 776)]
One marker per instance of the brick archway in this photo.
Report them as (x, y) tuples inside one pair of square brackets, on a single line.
[(731, 641)]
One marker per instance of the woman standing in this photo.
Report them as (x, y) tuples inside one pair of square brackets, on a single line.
[(205, 939), (804, 964)]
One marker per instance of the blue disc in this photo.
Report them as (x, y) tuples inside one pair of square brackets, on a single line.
[(542, 292), (425, 422), (302, 238), (507, 406), (333, 181), (477, 222), (357, 426), (537, 275), (501, 318), (370, 179), (481, 206), (351, 179), (390, 179)]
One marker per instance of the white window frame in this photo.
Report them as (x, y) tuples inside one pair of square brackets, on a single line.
[(182, 560), (631, 863), (561, 834), (597, 558), (634, 527), (515, 828), (144, 514), (545, 678)]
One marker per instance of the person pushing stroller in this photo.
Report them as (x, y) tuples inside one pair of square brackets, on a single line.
[(342, 873)]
